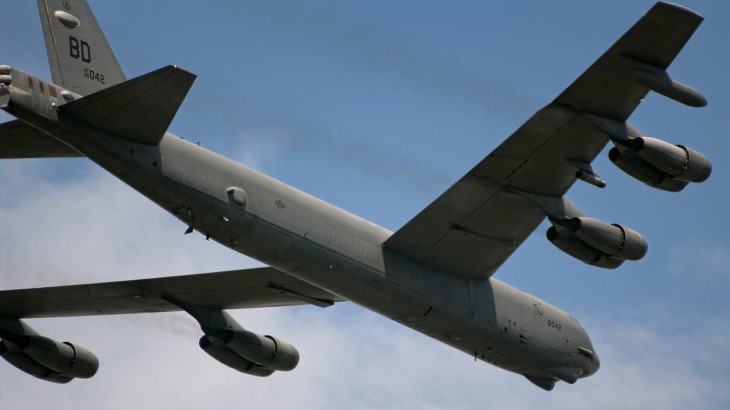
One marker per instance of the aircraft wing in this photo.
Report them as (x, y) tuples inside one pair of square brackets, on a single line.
[(20, 140), (473, 227), (249, 288)]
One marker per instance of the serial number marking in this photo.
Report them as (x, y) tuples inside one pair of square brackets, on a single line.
[(93, 75), (81, 50), (555, 325), (279, 203)]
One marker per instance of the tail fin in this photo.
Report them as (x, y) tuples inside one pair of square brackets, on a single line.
[(78, 53)]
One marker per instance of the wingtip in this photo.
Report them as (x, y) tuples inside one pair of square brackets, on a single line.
[(677, 8)]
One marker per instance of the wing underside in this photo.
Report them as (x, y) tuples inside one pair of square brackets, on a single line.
[(476, 224), (20, 140), (249, 288)]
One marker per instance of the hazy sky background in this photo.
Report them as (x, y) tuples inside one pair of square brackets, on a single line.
[(377, 107)]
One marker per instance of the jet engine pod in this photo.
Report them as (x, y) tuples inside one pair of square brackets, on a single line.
[(633, 165), (597, 243), (570, 244), (658, 163), (24, 363), (678, 161), (611, 239), (65, 358), (266, 351), (231, 359), (49, 359)]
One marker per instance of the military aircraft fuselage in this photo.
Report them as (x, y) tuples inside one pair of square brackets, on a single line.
[(319, 243)]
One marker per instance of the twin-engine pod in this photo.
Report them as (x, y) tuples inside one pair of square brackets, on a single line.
[(658, 163), (45, 358), (249, 352), (597, 243), (228, 342), (228, 357)]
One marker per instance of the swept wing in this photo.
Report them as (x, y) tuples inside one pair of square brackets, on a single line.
[(247, 288), (473, 227)]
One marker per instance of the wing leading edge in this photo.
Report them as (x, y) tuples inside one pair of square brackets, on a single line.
[(473, 227), (237, 289)]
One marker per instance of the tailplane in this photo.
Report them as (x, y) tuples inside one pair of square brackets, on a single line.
[(78, 54), (138, 110)]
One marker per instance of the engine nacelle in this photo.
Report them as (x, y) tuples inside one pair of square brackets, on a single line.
[(612, 239), (597, 243), (24, 363), (638, 168), (64, 358), (658, 163), (580, 250), (679, 162), (228, 342), (232, 359), (266, 351), (49, 359)]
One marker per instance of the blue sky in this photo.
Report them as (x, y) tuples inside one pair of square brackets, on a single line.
[(377, 107)]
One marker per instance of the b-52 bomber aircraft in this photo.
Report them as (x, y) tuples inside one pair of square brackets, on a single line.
[(433, 275)]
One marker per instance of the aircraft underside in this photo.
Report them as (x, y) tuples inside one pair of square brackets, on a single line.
[(434, 275)]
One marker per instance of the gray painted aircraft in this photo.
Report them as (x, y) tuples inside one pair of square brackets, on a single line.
[(433, 275)]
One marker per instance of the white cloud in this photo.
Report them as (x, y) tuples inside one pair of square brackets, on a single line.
[(58, 230), (702, 258), (93, 228)]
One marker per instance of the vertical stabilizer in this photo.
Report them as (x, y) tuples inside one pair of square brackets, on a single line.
[(78, 53)]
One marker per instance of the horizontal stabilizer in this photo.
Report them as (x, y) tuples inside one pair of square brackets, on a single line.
[(138, 110), (20, 140)]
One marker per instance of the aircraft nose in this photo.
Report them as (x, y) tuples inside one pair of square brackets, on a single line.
[(591, 363)]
